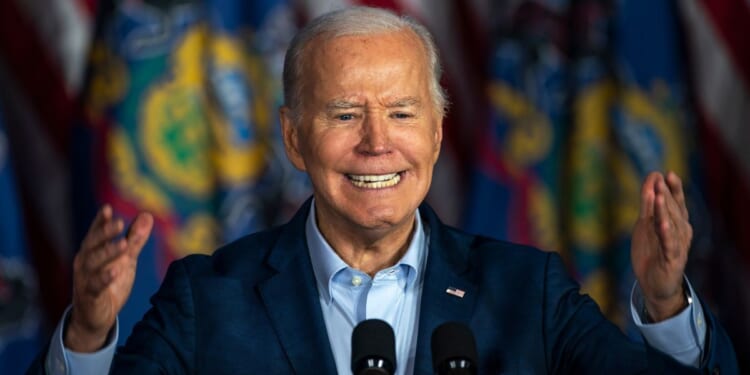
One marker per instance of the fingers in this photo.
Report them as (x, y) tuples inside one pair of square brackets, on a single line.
[(104, 255), (103, 229), (138, 233), (664, 225), (101, 257), (675, 186), (669, 186), (673, 227), (676, 209), (104, 214), (648, 194), (662, 190)]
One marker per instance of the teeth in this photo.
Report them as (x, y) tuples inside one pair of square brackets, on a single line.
[(375, 181), (373, 177)]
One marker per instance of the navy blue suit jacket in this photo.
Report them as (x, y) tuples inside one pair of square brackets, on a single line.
[(252, 308)]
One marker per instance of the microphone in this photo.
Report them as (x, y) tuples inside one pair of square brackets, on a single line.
[(454, 351), (373, 348)]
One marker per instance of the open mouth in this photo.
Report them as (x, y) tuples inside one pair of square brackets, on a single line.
[(375, 181)]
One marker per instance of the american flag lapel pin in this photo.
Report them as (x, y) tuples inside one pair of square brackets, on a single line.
[(455, 292)]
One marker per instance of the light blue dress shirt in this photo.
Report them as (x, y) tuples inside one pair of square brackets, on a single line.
[(683, 336), (348, 296), (61, 361)]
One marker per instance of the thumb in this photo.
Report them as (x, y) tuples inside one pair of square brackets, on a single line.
[(139, 232)]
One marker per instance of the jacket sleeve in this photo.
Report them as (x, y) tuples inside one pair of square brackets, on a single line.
[(579, 339), (37, 366), (163, 342)]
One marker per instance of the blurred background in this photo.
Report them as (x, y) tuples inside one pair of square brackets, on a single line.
[(559, 110)]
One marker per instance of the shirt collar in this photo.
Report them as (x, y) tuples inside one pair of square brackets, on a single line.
[(326, 263)]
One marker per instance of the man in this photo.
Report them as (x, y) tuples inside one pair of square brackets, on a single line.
[(363, 117)]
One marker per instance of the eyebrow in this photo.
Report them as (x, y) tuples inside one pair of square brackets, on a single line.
[(405, 102), (398, 103), (343, 104)]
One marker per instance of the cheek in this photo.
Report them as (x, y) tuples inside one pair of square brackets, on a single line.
[(325, 150), (420, 147)]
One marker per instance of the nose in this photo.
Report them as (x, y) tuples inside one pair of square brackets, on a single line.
[(375, 139)]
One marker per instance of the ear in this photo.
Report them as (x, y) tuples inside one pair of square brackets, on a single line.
[(290, 133), (438, 138)]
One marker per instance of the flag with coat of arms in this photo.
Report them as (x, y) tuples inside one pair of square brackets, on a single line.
[(181, 106)]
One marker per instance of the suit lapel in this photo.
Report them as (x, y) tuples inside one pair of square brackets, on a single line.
[(291, 298), (447, 267)]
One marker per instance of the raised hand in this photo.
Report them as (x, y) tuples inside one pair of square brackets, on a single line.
[(103, 275), (660, 244)]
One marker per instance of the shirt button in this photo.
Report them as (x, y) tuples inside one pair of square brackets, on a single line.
[(700, 320), (356, 281)]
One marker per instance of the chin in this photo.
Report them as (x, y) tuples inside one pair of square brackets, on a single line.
[(383, 217)]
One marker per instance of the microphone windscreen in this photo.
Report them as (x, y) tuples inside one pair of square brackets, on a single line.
[(451, 341), (373, 338)]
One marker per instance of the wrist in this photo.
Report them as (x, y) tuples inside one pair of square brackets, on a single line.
[(662, 309), (79, 338)]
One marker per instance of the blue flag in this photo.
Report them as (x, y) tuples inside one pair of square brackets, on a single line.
[(516, 180), (20, 313), (649, 122)]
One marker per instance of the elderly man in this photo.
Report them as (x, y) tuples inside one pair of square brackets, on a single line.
[(363, 117)]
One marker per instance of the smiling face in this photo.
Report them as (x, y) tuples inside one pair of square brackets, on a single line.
[(368, 133)]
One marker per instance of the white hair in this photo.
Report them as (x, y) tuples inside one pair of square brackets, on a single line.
[(356, 21)]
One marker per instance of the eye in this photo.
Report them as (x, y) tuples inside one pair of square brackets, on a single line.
[(345, 117), (402, 115)]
